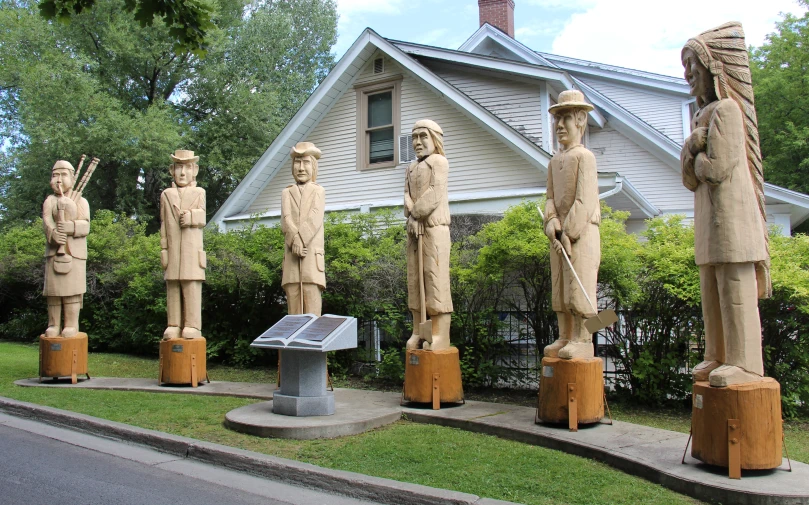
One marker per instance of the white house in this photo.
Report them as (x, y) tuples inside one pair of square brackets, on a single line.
[(491, 97)]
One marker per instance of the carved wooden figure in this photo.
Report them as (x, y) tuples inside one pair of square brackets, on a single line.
[(67, 223), (572, 218), (426, 207), (721, 164), (736, 412), (182, 217), (302, 208)]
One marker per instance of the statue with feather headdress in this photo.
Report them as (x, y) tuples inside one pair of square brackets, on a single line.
[(721, 164)]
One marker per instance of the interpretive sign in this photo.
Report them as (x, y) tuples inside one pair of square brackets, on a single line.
[(286, 327), (311, 333), (320, 329)]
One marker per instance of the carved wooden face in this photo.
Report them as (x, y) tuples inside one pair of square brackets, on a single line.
[(184, 173), (568, 130), (423, 142), (61, 180), (302, 169), (699, 78)]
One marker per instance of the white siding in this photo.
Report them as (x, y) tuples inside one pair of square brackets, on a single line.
[(655, 180), (664, 112), (478, 161), (518, 103)]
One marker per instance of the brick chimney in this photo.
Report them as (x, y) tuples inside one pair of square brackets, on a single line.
[(498, 13)]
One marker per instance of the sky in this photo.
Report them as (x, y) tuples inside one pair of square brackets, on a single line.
[(641, 34)]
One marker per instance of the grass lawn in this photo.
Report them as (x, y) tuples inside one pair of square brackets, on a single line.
[(405, 451)]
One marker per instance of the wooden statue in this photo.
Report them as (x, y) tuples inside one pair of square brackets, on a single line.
[(302, 208), (182, 218), (426, 207), (432, 366), (66, 219), (721, 164), (572, 218), (736, 412)]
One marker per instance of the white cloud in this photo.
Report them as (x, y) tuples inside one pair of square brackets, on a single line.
[(525, 32), (562, 4), (649, 35), (348, 7)]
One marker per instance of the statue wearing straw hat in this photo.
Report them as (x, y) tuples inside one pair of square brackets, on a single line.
[(182, 218), (302, 207), (66, 219), (572, 218)]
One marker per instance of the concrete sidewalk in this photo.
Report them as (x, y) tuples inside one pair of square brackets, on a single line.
[(651, 453)]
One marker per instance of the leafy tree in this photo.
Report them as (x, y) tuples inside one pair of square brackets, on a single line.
[(106, 86), (779, 70), (188, 20)]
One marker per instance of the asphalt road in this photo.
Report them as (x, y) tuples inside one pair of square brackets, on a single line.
[(41, 464)]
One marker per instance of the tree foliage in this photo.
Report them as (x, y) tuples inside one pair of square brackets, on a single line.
[(109, 87), (780, 67), (189, 21)]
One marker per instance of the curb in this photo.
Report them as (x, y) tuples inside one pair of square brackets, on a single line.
[(622, 462), (340, 482)]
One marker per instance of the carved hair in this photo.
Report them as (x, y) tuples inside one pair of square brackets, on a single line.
[(314, 165), (723, 52), (438, 140)]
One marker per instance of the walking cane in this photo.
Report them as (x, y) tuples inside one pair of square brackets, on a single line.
[(602, 319), (426, 326)]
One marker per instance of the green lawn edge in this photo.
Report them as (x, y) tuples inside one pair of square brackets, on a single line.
[(430, 455)]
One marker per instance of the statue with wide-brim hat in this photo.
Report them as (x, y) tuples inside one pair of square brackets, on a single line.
[(572, 218), (182, 256), (570, 99)]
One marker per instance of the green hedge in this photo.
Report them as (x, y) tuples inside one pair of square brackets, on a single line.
[(498, 265)]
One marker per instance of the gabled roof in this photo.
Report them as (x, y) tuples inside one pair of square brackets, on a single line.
[(558, 71), (551, 74), (630, 125), (488, 33), (339, 80), (486, 36), (658, 82)]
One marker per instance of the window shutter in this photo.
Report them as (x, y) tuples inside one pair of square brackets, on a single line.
[(406, 152)]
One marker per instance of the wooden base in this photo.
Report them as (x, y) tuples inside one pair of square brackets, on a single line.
[(739, 426), (63, 357), (182, 361), (571, 391), (433, 377)]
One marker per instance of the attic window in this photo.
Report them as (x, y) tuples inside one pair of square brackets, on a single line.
[(378, 124), (379, 65)]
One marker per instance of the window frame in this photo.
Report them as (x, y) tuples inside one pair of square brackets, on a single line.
[(394, 85)]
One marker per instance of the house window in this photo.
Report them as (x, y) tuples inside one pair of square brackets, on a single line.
[(378, 124)]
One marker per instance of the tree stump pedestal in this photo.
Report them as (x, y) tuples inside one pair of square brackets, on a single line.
[(182, 361), (738, 427), (63, 357), (433, 377), (571, 391)]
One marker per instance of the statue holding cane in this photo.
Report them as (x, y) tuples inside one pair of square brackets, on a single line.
[(426, 205), (302, 207)]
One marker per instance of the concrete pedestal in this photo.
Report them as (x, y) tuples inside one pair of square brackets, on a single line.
[(303, 386)]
